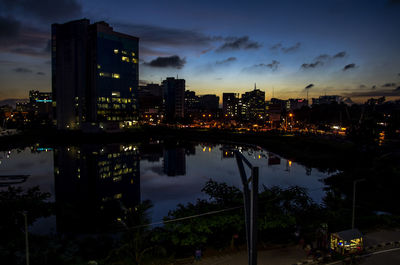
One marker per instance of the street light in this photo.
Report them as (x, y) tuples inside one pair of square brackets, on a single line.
[(250, 205), (24, 213)]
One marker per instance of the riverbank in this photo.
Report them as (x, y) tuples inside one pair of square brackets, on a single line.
[(328, 154)]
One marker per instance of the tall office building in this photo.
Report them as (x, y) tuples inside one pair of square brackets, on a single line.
[(174, 98), (253, 105), (230, 104), (94, 76)]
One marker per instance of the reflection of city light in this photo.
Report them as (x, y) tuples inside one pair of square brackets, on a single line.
[(259, 156), (204, 149), (290, 163), (209, 149)]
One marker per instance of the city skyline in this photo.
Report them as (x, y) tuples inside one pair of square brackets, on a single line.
[(337, 47)]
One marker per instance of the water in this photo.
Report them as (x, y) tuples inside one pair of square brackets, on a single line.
[(96, 185)]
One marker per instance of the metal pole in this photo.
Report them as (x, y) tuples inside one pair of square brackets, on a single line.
[(254, 215), (26, 238)]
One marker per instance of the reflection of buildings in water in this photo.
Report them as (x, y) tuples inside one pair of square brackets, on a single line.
[(174, 163), (273, 159), (96, 186), (227, 152), (151, 152)]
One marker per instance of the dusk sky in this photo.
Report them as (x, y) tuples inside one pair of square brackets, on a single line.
[(342, 47)]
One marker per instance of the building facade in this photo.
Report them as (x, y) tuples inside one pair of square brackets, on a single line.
[(230, 104), (94, 76), (174, 98)]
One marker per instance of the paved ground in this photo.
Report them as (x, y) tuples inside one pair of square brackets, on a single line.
[(294, 254), (282, 256)]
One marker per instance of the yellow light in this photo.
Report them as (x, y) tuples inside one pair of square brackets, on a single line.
[(290, 163), (204, 149), (133, 54), (130, 89), (259, 156), (290, 114), (134, 60), (209, 115), (116, 51), (125, 59), (115, 75), (209, 149)]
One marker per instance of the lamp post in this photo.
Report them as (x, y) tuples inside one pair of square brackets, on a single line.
[(354, 200), (250, 205)]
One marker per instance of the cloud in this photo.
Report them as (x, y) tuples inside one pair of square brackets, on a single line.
[(273, 66), (309, 86), (312, 65), (163, 62), (322, 57), (238, 43), (276, 47), (279, 46), (40, 73), (228, 60), (9, 27), (340, 54), (18, 38), (389, 85), (162, 36), (44, 10), (374, 93), (349, 66), (22, 70), (291, 48)]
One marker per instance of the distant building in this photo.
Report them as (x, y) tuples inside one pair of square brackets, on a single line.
[(41, 103), (326, 100), (174, 98), (150, 101), (192, 103), (252, 105), (296, 103), (230, 104), (209, 103), (94, 76)]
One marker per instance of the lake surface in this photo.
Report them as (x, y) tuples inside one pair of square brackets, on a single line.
[(97, 185)]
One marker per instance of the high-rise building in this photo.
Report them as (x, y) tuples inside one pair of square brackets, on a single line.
[(209, 103), (94, 76), (174, 98), (230, 104), (192, 103), (253, 105), (41, 103), (150, 100)]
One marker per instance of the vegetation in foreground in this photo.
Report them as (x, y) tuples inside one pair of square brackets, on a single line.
[(282, 212)]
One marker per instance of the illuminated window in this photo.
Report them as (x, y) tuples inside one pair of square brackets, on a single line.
[(134, 60), (98, 66), (124, 52), (115, 94), (116, 51), (125, 59), (130, 89), (133, 54), (118, 196), (115, 75)]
